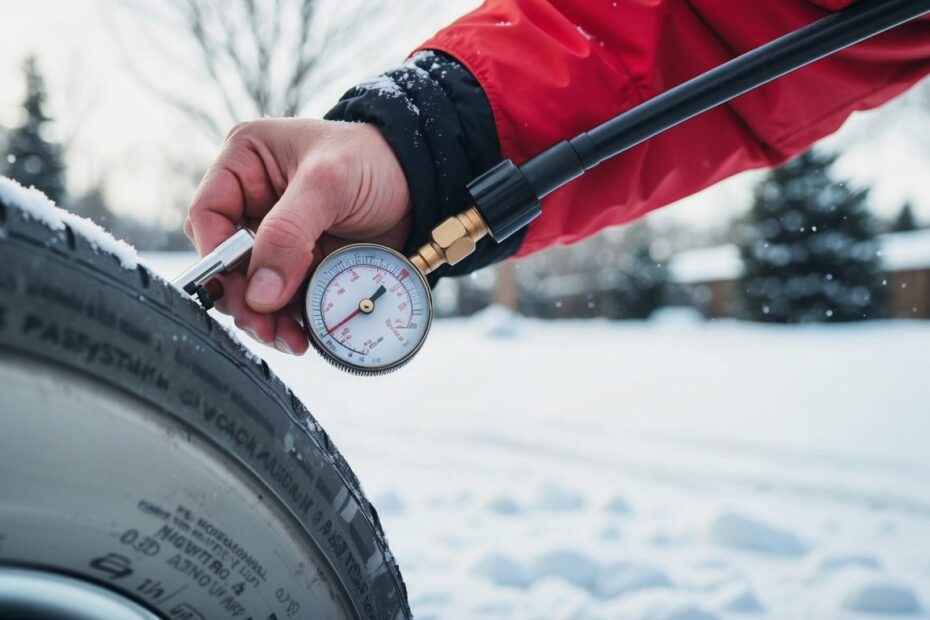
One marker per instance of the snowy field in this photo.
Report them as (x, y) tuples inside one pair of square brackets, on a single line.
[(669, 470)]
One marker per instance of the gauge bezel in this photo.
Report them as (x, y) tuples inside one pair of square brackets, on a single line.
[(317, 342)]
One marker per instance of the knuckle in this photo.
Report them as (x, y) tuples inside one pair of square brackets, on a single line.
[(239, 130), (218, 174), (285, 231), (330, 171), (195, 213)]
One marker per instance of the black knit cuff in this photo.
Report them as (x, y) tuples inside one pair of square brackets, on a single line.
[(437, 119)]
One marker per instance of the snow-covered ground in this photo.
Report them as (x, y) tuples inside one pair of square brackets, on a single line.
[(669, 470)]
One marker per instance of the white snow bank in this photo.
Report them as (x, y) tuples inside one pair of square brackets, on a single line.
[(556, 498), (619, 579), (677, 316), (36, 205), (737, 599), (572, 566), (617, 505), (867, 593), (504, 505), (609, 532), (662, 606), (497, 321), (741, 532), (549, 598), (828, 563), (389, 502), (502, 570)]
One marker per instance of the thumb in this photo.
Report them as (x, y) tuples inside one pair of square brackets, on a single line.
[(284, 245)]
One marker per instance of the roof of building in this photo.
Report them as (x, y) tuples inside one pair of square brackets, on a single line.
[(906, 250), (706, 265), (899, 251)]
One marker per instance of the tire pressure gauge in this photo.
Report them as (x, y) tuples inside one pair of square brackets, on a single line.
[(367, 309)]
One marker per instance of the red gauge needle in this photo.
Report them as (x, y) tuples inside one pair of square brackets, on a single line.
[(378, 293), (355, 313)]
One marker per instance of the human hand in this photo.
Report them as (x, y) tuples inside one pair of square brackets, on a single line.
[(307, 188)]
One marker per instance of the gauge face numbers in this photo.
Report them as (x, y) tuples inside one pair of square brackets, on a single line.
[(368, 307)]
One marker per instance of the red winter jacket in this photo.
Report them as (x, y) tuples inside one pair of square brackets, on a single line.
[(552, 68)]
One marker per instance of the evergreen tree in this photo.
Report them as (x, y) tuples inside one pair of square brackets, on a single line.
[(31, 159), (640, 287), (809, 248), (905, 221)]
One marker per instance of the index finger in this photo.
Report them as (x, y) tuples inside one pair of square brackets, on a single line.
[(236, 186), (216, 209)]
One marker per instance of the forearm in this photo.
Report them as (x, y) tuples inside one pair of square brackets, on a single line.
[(549, 70)]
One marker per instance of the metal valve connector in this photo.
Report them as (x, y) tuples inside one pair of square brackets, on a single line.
[(451, 241)]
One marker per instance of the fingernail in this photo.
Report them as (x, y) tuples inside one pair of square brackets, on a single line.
[(282, 346), (265, 287), (252, 334)]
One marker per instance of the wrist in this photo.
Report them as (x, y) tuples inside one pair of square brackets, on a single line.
[(437, 122)]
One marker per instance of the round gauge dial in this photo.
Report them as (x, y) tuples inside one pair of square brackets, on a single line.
[(367, 308)]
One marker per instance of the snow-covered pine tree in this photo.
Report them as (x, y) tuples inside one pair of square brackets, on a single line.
[(31, 159), (809, 248)]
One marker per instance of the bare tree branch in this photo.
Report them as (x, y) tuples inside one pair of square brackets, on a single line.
[(197, 21), (260, 58)]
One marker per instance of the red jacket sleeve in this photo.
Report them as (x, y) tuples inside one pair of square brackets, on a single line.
[(551, 69)]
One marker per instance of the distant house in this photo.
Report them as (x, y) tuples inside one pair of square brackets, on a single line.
[(710, 275)]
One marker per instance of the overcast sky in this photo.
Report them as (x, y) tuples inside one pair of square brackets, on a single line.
[(119, 132)]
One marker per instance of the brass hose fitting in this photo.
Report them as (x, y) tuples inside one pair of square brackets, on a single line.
[(451, 241)]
